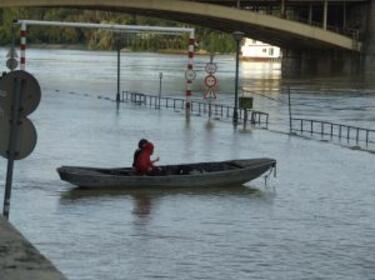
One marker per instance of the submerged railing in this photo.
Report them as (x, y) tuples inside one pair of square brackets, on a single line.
[(256, 118), (340, 131)]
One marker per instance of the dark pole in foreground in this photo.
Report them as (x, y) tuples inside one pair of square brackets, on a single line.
[(12, 145), (238, 35), (118, 70), (160, 86), (290, 112)]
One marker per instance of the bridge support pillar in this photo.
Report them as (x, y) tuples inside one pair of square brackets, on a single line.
[(319, 62), (369, 42)]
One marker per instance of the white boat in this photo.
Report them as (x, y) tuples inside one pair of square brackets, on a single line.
[(253, 50)]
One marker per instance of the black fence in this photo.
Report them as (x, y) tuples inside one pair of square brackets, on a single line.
[(253, 117), (340, 131)]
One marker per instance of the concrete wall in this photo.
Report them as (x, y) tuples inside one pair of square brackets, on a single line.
[(19, 260)]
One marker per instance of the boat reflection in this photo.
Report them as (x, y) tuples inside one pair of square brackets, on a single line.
[(145, 199), (75, 194)]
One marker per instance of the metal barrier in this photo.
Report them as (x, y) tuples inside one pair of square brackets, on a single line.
[(216, 110), (341, 131)]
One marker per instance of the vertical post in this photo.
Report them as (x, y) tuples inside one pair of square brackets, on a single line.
[(245, 119), (118, 69), (344, 15), (282, 9), (189, 67), (12, 145), (357, 136), (238, 4), (209, 109), (160, 87), (310, 14), (290, 111), (348, 133), (325, 14), (238, 35), (23, 34)]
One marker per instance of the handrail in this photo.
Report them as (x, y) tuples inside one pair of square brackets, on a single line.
[(216, 110), (338, 130)]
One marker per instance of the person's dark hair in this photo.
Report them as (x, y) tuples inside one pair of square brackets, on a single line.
[(142, 143)]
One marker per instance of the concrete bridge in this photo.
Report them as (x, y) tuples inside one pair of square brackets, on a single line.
[(328, 40)]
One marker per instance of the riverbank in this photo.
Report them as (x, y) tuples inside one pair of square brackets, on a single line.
[(20, 260)]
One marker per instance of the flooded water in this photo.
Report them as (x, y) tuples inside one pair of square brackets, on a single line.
[(314, 221)]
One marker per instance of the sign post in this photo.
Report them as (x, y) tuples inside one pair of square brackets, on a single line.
[(20, 96), (160, 86), (210, 82)]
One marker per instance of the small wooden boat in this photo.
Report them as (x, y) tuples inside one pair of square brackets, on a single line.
[(206, 174)]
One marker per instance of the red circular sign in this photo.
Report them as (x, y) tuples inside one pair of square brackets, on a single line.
[(210, 81)]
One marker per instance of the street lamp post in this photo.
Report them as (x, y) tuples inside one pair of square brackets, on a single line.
[(118, 68), (237, 35), (160, 85)]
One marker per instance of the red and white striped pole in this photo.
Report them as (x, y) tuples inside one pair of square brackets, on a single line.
[(189, 80), (23, 34)]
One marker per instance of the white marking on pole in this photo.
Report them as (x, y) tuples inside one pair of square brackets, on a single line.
[(190, 66), (23, 46)]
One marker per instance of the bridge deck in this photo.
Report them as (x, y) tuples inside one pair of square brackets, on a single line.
[(271, 29)]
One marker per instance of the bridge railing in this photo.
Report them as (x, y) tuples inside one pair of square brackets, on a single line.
[(340, 131), (221, 111), (350, 32)]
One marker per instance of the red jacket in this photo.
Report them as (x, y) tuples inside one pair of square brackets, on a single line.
[(143, 162)]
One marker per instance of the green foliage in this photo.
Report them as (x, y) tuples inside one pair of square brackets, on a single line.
[(209, 40)]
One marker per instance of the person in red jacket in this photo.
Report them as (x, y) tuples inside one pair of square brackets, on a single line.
[(143, 164)]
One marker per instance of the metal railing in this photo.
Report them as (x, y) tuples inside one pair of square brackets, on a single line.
[(346, 31), (340, 131), (256, 118)]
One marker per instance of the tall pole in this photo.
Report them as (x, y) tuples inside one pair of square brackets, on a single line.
[(344, 15), (282, 9), (160, 86), (190, 65), (238, 35), (12, 145), (325, 14), (118, 70), (290, 111), (310, 14)]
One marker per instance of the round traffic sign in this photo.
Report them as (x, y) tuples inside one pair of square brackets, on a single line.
[(26, 141), (12, 63), (210, 81), (211, 68), (190, 75), (29, 90)]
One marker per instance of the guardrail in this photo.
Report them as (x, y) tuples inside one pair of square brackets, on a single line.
[(257, 118), (341, 131)]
